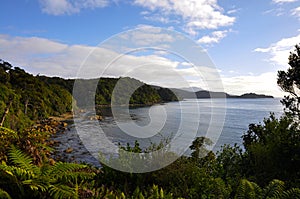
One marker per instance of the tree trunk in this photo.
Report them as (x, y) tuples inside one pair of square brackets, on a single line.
[(6, 111)]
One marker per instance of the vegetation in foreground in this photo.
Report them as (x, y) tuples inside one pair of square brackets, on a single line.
[(268, 167)]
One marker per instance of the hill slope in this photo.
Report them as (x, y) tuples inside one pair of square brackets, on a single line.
[(25, 98)]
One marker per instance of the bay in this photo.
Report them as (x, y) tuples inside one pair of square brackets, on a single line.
[(237, 113), (224, 122)]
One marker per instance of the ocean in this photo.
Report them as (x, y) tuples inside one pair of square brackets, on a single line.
[(178, 123)]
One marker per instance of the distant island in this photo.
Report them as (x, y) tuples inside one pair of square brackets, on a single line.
[(254, 95), (203, 94)]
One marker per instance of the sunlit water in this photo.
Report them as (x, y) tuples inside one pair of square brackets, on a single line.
[(239, 113), (180, 119)]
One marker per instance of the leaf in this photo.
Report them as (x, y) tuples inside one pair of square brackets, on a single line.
[(4, 194), (60, 191), (20, 159), (274, 189)]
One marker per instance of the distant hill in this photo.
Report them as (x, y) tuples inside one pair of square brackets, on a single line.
[(253, 95), (184, 94)]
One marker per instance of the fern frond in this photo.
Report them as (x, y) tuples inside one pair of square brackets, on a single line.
[(77, 175), (274, 189), (4, 194), (36, 184), (12, 133), (291, 193), (247, 189), (61, 168), (61, 191), (18, 173), (20, 159)]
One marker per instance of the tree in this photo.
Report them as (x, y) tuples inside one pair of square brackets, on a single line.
[(198, 147), (289, 81), (272, 150)]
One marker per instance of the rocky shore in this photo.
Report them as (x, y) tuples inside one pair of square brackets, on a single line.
[(65, 141)]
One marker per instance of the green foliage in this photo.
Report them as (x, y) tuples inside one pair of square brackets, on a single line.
[(248, 190), (230, 163), (289, 81), (4, 194), (198, 147), (121, 91), (23, 179), (33, 141), (275, 189), (31, 98), (267, 167), (272, 150)]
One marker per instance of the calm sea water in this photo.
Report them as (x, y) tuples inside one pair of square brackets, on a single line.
[(222, 121)]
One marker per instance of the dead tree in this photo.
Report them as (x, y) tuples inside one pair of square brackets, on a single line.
[(6, 111)]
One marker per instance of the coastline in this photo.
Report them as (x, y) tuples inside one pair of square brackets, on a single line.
[(66, 143)]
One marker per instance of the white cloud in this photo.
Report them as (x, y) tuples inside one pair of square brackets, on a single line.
[(56, 59), (215, 37), (265, 83), (296, 12), (61, 7), (280, 50), (194, 14), (284, 1)]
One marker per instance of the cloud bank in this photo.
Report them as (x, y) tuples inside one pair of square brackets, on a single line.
[(279, 51), (53, 58)]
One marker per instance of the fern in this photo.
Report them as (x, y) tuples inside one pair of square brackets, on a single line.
[(59, 191), (5, 131), (293, 193), (60, 168), (18, 173), (20, 159), (274, 189), (26, 179), (248, 190), (4, 194)]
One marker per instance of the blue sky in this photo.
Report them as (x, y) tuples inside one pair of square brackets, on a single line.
[(248, 41)]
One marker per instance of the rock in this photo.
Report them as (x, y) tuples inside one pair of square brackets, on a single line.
[(69, 150), (96, 117), (51, 161)]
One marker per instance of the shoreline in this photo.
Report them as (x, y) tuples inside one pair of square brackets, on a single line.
[(67, 145)]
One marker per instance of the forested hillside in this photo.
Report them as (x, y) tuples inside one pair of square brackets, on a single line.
[(25, 98)]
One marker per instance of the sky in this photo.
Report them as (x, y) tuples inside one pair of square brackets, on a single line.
[(247, 41)]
